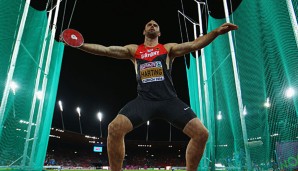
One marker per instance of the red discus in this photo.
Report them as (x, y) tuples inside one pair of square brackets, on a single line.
[(72, 38)]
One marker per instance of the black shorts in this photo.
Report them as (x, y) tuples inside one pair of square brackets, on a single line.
[(175, 111)]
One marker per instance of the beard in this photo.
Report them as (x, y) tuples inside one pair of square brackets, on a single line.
[(152, 34)]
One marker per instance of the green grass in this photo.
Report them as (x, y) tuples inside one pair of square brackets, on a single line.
[(9, 169), (105, 170)]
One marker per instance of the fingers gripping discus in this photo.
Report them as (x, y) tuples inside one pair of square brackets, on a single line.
[(72, 38)]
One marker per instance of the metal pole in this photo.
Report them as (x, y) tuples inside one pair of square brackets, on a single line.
[(198, 68), (13, 64), (238, 90), (44, 86), (100, 129), (148, 122), (147, 133), (206, 92), (61, 110), (99, 116), (293, 19), (80, 124), (170, 138), (62, 120), (33, 104), (203, 69)]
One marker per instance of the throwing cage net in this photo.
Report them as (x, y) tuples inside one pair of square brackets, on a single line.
[(244, 89), (29, 73)]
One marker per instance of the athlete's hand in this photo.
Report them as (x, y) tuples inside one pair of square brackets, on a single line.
[(226, 27), (61, 39)]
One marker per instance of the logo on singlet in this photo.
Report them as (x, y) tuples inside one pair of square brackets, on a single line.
[(151, 72), (150, 53)]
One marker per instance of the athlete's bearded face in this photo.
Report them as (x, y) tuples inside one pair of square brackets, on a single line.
[(151, 29)]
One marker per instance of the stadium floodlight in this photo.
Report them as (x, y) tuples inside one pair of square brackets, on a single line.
[(148, 123), (60, 105), (79, 112), (61, 110), (99, 116)]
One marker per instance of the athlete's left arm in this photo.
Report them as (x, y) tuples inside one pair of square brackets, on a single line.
[(176, 50)]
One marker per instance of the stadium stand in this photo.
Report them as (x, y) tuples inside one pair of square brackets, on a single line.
[(73, 150)]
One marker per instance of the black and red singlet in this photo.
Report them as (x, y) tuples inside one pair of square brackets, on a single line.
[(153, 76)]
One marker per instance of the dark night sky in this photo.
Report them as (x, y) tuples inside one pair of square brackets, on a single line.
[(96, 83)]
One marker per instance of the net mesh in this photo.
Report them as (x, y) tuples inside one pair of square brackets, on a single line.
[(25, 118), (267, 67)]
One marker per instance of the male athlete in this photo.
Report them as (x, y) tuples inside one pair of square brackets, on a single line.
[(157, 97)]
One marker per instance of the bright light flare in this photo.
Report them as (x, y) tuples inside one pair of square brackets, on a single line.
[(267, 103), (13, 86), (99, 116), (79, 111), (39, 95), (290, 92), (244, 111), (60, 105), (219, 116)]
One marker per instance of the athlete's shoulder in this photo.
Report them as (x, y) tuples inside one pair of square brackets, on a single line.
[(132, 48), (169, 46), (161, 47)]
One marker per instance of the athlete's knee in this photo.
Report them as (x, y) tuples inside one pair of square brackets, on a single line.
[(202, 131), (119, 126), (203, 135), (197, 131), (114, 129)]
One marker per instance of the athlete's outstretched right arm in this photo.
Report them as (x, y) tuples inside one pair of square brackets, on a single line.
[(118, 52)]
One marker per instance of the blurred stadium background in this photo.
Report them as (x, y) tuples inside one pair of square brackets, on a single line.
[(75, 150), (249, 103)]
